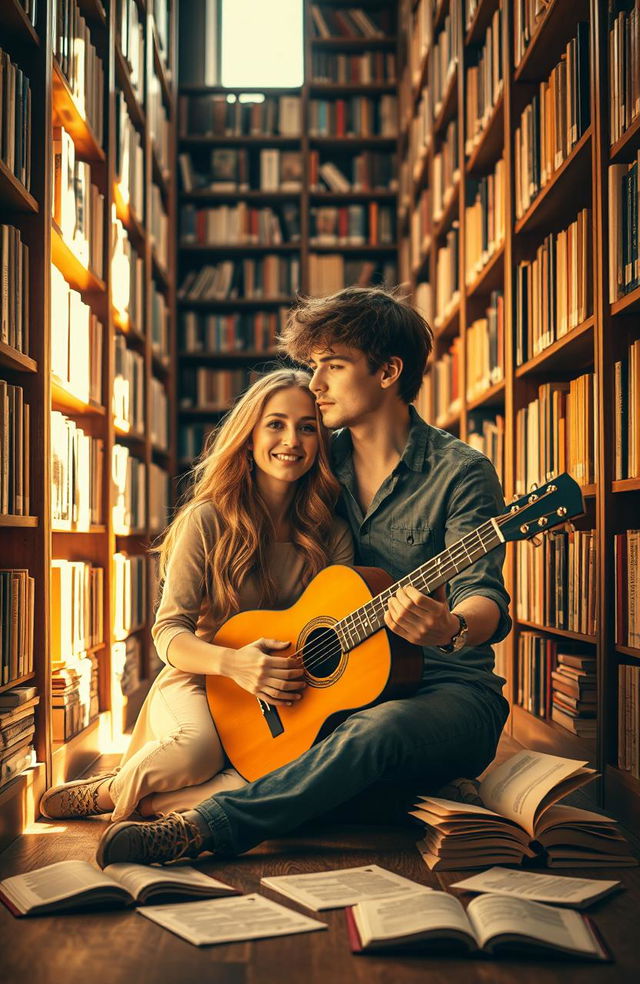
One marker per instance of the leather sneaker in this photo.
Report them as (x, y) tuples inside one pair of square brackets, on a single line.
[(78, 798), (155, 841)]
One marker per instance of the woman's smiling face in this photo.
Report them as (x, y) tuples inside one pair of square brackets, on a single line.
[(284, 442)]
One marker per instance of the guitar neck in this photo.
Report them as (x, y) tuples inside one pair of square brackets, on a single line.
[(359, 625)]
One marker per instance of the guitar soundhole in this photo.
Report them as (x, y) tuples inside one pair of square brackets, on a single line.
[(321, 653)]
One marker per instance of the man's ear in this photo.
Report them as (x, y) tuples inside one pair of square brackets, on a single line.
[(391, 371)]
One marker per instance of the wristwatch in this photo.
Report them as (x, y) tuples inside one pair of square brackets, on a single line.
[(459, 639)]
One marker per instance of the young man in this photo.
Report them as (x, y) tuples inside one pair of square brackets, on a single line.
[(409, 491)]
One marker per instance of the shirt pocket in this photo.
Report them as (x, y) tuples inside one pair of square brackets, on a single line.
[(412, 534)]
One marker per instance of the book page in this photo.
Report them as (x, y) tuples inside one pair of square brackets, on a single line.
[(136, 877), (517, 787), (55, 882), (495, 915), (411, 915), (537, 886), (249, 917), (336, 889)]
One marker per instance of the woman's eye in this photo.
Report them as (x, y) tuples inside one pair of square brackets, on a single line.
[(308, 428), (274, 424)]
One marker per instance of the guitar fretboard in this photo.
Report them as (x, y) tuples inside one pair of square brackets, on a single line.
[(359, 625)]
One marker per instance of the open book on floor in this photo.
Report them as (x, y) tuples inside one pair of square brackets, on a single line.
[(492, 925), (520, 819), (73, 885)]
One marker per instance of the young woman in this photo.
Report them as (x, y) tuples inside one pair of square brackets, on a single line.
[(258, 526)]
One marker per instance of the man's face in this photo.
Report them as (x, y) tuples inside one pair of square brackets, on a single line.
[(345, 389)]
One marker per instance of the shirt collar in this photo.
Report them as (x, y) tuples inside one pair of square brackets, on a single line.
[(413, 456)]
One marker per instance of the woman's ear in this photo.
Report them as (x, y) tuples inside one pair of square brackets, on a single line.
[(391, 371)]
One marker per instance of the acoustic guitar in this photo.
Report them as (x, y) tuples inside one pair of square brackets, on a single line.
[(351, 659)]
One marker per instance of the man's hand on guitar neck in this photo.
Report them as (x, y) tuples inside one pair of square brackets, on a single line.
[(427, 621), (278, 680)]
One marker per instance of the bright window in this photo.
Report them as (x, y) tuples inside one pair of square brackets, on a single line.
[(262, 43)]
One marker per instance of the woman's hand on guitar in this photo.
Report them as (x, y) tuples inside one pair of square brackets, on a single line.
[(275, 679)]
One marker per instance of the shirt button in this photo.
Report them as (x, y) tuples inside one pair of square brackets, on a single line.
[(410, 538)]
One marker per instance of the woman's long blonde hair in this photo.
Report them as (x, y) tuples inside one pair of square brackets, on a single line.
[(246, 534)]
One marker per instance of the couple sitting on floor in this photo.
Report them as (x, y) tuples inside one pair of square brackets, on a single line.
[(260, 523)]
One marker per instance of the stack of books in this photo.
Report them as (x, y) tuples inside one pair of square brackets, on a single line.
[(573, 699), (74, 699), (17, 728)]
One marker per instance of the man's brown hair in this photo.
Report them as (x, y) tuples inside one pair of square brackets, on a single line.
[(377, 321)]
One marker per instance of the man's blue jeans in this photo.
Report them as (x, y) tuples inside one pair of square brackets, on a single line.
[(442, 732)]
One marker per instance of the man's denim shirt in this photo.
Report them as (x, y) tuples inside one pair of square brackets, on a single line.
[(440, 490)]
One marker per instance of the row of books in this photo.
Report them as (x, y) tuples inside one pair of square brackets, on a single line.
[(192, 439), (77, 609), (159, 429), (15, 121), (159, 316), (76, 341), (15, 451), (17, 594), (77, 205), (557, 685), (420, 227), (240, 223), (128, 159), (159, 126), (368, 170), (241, 169), (351, 22), (77, 468), (352, 225), (446, 170), (219, 115), (554, 289), (556, 432), (158, 499), (74, 697), (527, 15), (17, 728), (419, 39), (485, 348), (249, 278), (483, 83), (420, 129), (129, 593), (252, 331), (159, 226), (331, 272), (629, 719), (624, 253), (552, 124), (128, 476), (130, 33), (484, 220), (485, 433), (127, 402), (624, 67), (627, 588), (213, 389), (79, 62), (557, 581), (14, 289), (354, 116), (442, 386), (127, 277), (626, 393), (443, 60), (350, 68), (447, 274)]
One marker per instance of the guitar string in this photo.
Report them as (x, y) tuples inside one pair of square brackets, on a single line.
[(322, 647)]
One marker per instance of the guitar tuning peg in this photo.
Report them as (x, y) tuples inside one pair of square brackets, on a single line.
[(533, 487)]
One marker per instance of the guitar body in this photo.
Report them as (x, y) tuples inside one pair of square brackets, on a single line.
[(338, 682)]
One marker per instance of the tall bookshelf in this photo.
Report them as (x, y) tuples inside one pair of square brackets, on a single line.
[(600, 337), (308, 247), (33, 541)]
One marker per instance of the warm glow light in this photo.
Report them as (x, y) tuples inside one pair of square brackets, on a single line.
[(261, 43)]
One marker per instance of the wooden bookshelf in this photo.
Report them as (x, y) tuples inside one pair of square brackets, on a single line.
[(33, 541), (580, 181)]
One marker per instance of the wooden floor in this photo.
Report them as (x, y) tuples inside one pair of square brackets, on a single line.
[(118, 947)]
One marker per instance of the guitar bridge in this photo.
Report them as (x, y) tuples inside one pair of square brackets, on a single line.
[(272, 718)]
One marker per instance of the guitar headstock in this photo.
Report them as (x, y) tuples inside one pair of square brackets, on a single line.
[(555, 502)]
